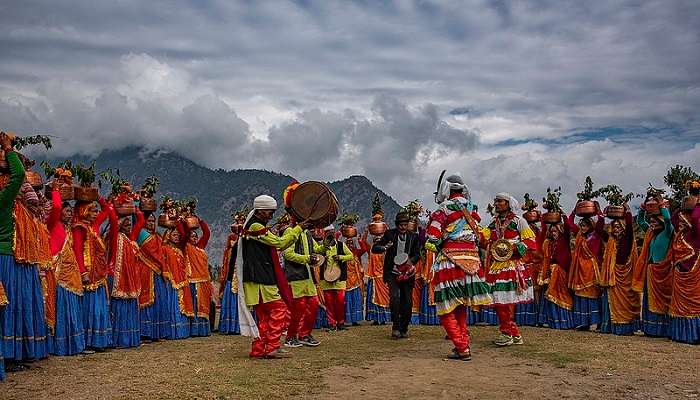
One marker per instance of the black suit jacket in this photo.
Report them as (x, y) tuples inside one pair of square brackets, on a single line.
[(412, 249)]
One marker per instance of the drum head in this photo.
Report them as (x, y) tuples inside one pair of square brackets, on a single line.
[(314, 201), (331, 274), (401, 259)]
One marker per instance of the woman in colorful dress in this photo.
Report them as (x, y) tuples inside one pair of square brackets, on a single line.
[(23, 318), (198, 275), (66, 288), (621, 305), (355, 284), (558, 301), (653, 272), (153, 300), (684, 308), (585, 267), (508, 238), (529, 313), (378, 310), (124, 280), (179, 296)]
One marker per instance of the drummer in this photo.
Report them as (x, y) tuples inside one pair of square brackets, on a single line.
[(333, 284), (402, 252), (299, 259)]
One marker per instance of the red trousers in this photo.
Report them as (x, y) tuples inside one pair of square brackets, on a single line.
[(335, 306), (505, 319), (271, 320), (303, 318), (455, 324)]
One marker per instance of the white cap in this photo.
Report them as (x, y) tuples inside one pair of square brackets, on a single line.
[(264, 202)]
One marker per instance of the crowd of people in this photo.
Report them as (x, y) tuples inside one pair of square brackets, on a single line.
[(85, 277)]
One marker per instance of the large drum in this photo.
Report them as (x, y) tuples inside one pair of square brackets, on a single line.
[(314, 201)]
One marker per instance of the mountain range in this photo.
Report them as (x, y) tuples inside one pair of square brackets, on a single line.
[(220, 193)]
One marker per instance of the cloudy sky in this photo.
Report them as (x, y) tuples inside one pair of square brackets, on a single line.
[(515, 96)]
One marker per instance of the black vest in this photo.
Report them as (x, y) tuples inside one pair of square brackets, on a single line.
[(258, 266), (340, 250), (294, 271)]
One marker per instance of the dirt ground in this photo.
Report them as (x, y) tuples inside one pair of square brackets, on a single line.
[(365, 362)]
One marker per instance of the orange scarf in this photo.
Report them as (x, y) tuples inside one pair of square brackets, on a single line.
[(126, 282), (94, 257), (31, 240), (198, 263), (625, 303), (584, 270), (658, 277), (685, 298), (174, 271)]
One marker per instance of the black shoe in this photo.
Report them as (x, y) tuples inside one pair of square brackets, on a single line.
[(16, 367), (375, 323), (355, 324), (332, 329), (309, 341)]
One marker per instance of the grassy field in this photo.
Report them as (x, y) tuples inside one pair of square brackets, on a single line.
[(364, 362)]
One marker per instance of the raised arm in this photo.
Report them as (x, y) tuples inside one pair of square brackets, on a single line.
[(668, 226), (260, 233), (642, 220), (78, 246), (206, 233), (184, 233), (10, 192), (138, 225), (571, 223), (600, 228), (102, 215), (695, 220), (113, 234), (55, 213)]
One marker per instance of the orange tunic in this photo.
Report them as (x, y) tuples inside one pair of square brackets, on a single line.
[(152, 257), (64, 273), (31, 239), (375, 271), (584, 272), (658, 277), (174, 272), (94, 257), (685, 295), (198, 266), (554, 277), (126, 282), (625, 302)]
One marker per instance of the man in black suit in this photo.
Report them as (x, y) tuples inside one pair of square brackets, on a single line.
[(402, 252)]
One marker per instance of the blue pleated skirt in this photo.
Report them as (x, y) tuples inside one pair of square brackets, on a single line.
[(69, 336), (558, 317), (485, 316), (199, 326), (155, 319), (428, 313), (526, 314), (685, 330), (321, 321), (228, 317), (23, 319), (374, 312), (354, 305), (179, 322), (606, 324), (126, 324), (586, 311), (653, 324), (96, 318)]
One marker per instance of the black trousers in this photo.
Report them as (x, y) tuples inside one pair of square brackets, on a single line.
[(401, 303)]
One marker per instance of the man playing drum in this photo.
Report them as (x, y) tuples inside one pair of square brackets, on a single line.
[(334, 274), (402, 252)]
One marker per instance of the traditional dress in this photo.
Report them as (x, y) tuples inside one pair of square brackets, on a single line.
[(334, 292), (179, 296), (354, 304), (622, 305), (228, 289), (23, 318), (458, 275), (377, 291), (154, 310), (584, 272), (684, 308), (654, 275), (553, 278), (3, 304), (305, 302), (126, 270), (64, 289), (197, 262), (262, 284), (509, 279), (529, 313), (91, 255), (428, 307)]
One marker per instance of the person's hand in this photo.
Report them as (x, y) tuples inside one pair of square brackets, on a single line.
[(5, 142), (85, 279), (313, 259), (389, 244), (336, 257), (626, 206)]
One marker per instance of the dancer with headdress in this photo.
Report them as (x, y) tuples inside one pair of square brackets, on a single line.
[(507, 239), (458, 275)]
